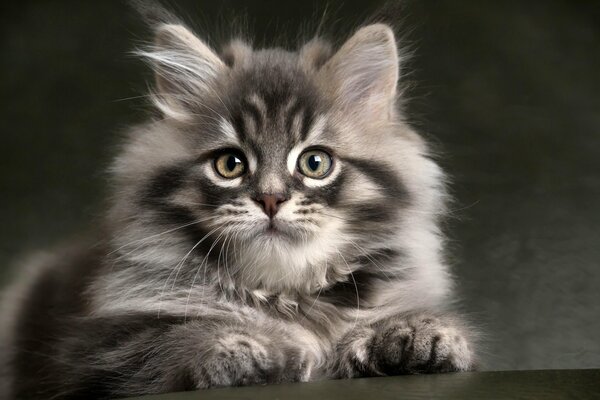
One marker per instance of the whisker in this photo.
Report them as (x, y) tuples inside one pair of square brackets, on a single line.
[(132, 98), (204, 261), (234, 239), (219, 262), (355, 287), (193, 203), (337, 216), (314, 302), (465, 207), (187, 255), (363, 251), (162, 233), (178, 268)]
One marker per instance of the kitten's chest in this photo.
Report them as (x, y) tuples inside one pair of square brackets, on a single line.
[(315, 310)]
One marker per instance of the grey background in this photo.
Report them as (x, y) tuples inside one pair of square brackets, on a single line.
[(508, 91)]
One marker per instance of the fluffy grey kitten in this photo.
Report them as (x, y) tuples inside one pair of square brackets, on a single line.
[(278, 222)]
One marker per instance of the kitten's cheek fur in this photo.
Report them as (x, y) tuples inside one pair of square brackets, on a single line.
[(404, 345)]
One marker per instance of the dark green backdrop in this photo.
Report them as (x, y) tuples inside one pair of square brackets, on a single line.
[(507, 90)]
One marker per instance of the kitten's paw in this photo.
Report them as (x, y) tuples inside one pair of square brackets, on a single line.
[(417, 344), (240, 359), (420, 344)]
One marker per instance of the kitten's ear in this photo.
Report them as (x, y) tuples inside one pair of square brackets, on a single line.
[(184, 66), (364, 73)]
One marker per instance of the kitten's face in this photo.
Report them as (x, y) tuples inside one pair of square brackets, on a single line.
[(268, 176), (277, 163), (273, 173)]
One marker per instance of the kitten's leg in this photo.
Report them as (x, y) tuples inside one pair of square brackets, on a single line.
[(419, 343), (127, 356)]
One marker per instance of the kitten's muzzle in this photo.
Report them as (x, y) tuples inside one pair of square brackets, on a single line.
[(270, 203)]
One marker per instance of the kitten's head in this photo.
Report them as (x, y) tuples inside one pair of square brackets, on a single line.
[(276, 165)]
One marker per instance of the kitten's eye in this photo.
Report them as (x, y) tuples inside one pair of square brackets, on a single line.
[(230, 165), (315, 164)]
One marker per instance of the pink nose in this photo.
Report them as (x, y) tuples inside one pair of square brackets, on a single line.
[(270, 202)]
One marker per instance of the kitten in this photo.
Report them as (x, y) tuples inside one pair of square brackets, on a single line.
[(278, 222)]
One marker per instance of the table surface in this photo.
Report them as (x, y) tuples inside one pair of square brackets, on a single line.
[(544, 384)]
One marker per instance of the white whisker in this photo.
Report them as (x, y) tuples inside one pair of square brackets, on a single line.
[(178, 268), (355, 287), (161, 233), (204, 261)]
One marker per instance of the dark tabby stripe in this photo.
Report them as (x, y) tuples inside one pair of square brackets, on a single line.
[(329, 194), (155, 196), (164, 183), (381, 174), (344, 294), (253, 111), (377, 212)]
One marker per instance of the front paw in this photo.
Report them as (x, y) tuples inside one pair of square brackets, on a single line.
[(410, 345), (239, 358)]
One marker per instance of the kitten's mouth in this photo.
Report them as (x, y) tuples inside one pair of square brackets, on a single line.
[(277, 229), (273, 228)]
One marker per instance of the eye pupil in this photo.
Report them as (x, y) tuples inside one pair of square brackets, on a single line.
[(314, 162), (232, 162)]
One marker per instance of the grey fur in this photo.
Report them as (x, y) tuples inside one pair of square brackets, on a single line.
[(187, 287)]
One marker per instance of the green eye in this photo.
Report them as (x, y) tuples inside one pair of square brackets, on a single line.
[(315, 164), (230, 165)]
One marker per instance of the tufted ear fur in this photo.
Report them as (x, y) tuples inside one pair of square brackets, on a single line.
[(364, 73), (314, 54), (185, 68), (237, 54)]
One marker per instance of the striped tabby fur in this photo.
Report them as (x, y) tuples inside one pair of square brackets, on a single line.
[(194, 283)]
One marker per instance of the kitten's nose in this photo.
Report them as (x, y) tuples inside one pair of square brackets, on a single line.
[(270, 202)]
